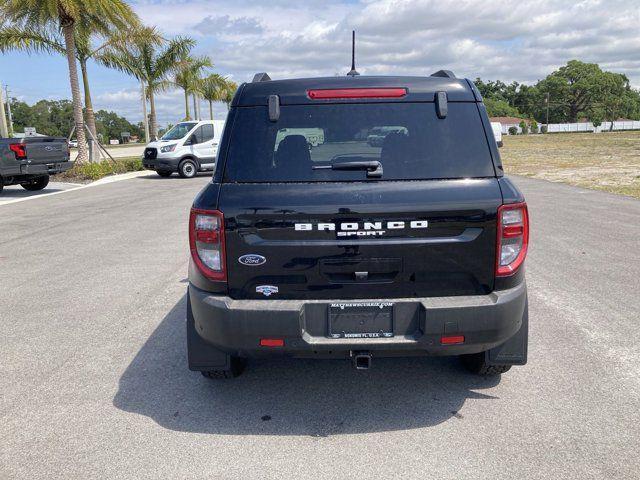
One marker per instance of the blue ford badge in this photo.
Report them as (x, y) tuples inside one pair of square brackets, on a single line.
[(252, 259)]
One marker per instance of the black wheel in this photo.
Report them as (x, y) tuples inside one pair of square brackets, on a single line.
[(477, 364), (237, 367), (37, 183), (164, 173), (187, 169)]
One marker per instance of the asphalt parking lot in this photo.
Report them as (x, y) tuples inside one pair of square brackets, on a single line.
[(95, 385)]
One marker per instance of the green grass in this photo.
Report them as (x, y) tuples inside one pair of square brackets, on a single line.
[(98, 170), (601, 161)]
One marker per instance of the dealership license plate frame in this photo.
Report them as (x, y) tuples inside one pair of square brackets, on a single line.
[(353, 320)]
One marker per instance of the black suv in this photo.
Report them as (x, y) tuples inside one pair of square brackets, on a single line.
[(313, 241)]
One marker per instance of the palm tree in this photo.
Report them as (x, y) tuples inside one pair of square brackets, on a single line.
[(229, 92), (188, 77), (34, 41), (143, 59), (213, 88), (64, 16)]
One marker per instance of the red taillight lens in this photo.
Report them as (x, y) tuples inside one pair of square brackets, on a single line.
[(206, 238), (513, 238), (356, 93), (452, 340), (19, 150)]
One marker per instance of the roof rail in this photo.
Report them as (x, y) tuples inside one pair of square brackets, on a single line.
[(444, 73), (261, 77)]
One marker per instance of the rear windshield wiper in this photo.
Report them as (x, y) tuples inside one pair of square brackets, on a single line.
[(373, 168)]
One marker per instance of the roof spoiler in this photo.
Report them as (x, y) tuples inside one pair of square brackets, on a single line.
[(442, 73), (261, 77)]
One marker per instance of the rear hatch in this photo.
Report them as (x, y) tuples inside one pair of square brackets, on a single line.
[(298, 221), (46, 150)]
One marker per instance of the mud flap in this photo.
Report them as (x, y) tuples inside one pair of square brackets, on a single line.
[(201, 355), (514, 350)]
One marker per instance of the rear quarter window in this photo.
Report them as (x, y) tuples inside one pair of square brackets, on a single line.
[(408, 139)]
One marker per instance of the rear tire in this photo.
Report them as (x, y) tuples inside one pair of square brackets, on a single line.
[(164, 173), (237, 367), (477, 363), (36, 184), (187, 169)]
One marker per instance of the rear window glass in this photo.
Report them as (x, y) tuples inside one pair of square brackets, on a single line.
[(408, 139)]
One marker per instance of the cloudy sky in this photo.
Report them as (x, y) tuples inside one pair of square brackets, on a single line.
[(509, 40)]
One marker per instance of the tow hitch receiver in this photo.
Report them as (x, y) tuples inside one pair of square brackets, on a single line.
[(361, 360)]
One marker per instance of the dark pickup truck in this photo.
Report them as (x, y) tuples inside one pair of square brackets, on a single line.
[(30, 161), (410, 245)]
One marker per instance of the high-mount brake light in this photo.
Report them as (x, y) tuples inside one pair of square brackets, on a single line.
[(334, 93), (19, 150), (206, 239), (513, 238)]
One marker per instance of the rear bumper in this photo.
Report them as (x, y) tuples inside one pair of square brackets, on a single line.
[(235, 327), (49, 168)]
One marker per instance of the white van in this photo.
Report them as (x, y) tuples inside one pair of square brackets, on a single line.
[(188, 148)]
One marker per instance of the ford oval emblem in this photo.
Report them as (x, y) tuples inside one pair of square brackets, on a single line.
[(252, 260)]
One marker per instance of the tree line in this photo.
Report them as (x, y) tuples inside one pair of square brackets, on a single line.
[(575, 91), (110, 33), (55, 118)]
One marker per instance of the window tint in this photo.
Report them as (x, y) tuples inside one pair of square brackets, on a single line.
[(196, 136), (207, 132), (408, 139)]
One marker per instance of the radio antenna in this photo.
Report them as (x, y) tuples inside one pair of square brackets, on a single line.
[(353, 72)]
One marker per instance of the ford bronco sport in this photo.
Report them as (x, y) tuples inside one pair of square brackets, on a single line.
[(343, 247)]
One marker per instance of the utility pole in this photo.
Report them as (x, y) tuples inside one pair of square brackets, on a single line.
[(4, 133), (547, 102), (10, 129), (145, 120)]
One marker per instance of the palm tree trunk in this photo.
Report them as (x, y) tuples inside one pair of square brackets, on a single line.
[(88, 109), (211, 109), (70, 45), (195, 107), (186, 106), (152, 115)]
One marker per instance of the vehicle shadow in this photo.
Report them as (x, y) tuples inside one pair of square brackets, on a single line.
[(154, 176), (16, 191), (290, 396)]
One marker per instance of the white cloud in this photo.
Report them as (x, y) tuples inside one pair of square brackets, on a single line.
[(507, 39)]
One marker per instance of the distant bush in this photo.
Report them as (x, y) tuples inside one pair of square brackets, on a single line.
[(544, 129), (97, 170), (513, 130), (534, 126), (524, 127)]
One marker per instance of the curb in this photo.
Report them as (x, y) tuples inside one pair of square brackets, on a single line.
[(97, 183)]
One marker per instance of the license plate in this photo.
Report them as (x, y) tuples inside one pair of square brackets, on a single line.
[(361, 320)]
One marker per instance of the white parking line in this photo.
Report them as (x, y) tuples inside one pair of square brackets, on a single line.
[(102, 181)]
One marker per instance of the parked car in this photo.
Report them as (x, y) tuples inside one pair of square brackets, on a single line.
[(73, 143), (378, 134), (496, 128), (30, 161), (416, 247), (188, 148)]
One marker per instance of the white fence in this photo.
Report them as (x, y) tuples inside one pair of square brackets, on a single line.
[(580, 127)]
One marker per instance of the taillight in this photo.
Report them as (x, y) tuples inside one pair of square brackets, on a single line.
[(513, 238), (19, 150), (206, 238), (382, 92)]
